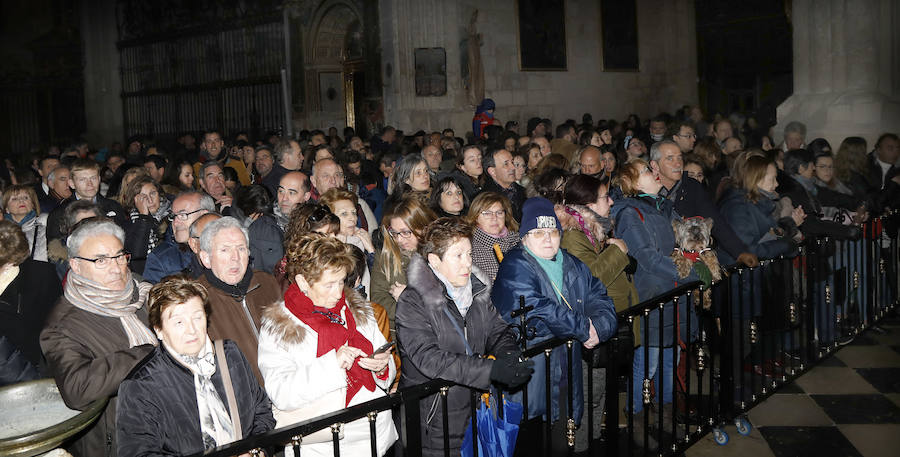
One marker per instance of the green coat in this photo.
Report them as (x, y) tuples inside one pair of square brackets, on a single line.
[(380, 286), (608, 266)]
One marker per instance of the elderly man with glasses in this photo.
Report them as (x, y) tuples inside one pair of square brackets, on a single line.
[(174, 255), (97, 332)]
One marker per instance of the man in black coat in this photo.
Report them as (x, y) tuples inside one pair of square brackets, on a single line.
[(692, 199), (882, 175), (85, 182), (501, 178)]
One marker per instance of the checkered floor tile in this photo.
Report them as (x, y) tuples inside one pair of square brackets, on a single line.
[(848, 405)]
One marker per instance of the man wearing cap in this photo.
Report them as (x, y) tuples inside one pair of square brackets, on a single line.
[(573, 305)]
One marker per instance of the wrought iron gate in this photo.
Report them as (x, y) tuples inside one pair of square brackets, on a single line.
[(226, 77)]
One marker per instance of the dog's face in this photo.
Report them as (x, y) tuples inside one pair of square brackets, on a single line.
[(693, 233)]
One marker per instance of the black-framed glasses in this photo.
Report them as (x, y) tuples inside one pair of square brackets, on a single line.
[(401, 234), (183, 216), (103, 262)]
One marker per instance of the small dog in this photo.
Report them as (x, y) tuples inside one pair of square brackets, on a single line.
[(693, 238)]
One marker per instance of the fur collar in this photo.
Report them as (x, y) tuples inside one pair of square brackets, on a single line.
[(420, 278), (278, 321)]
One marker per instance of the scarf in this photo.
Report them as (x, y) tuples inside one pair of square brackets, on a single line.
[(215, 422), (332, 334), (807, 184), (94, 298), (31, 215), (461, 296), (553, 268), (580, 219), (237, 291)]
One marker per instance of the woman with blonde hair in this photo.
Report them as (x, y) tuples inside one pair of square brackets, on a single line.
[(317, 350), (21, 206), (401, 227), (495, 231)]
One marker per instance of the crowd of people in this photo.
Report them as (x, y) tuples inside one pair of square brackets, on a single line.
[(337, 269)]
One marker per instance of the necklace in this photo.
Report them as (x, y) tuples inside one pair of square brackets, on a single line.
[(332, 317)]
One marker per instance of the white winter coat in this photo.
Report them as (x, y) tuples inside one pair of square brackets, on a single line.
[(295, 377)]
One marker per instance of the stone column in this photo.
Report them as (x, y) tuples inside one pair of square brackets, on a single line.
[(102, 79), (846, 69)]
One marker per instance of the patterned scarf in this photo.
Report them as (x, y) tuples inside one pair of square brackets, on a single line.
[(580, 219), (94, 298), (332, 334), (215, 422)]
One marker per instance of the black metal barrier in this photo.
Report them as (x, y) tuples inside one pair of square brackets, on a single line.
[(713, 359)]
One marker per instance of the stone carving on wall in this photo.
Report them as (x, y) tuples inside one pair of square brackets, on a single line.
[(474, 77), (542, 34)]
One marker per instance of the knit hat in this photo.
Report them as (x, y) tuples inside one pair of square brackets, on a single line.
[(537, 213)]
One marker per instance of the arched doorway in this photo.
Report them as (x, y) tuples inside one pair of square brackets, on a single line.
[(335, 66)]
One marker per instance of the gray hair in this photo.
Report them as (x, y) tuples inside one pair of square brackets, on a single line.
[(282, 148), (206, 202), (213, 228), (207, 165), (795, 127), (655, 153), (52, 175), (89, 229)]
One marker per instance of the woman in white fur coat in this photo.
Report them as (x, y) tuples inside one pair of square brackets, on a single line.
[(315, 350)]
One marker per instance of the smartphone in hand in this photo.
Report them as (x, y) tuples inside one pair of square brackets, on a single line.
[(384, 348)]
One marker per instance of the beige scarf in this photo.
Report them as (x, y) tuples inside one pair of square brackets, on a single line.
[(94, 298)]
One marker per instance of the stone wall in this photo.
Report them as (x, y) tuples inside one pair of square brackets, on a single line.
[(667, 78), (846, 70)]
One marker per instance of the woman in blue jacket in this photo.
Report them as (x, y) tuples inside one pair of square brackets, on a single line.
[(749, 207), (569, 303), (644, 222)]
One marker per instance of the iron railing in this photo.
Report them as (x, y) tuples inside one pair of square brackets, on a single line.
[(765, 327)]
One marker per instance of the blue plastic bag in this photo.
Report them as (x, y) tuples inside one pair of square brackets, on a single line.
[(496, 436)]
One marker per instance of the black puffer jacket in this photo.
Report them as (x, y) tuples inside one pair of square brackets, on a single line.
[(158, 415), (431, 348)]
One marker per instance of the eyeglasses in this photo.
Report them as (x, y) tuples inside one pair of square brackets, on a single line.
[(498, 214), (183, 216), (544, 233), (102, 262), (402, 234)]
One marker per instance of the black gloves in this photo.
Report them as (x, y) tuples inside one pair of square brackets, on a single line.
[(509, 371)]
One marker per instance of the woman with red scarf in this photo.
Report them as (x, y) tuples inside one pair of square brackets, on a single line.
[(315, 349)]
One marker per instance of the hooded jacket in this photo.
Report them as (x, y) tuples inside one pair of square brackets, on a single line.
[(521, 275), (431, 347)]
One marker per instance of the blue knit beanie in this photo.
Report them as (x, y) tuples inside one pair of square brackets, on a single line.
[(537, 212)]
